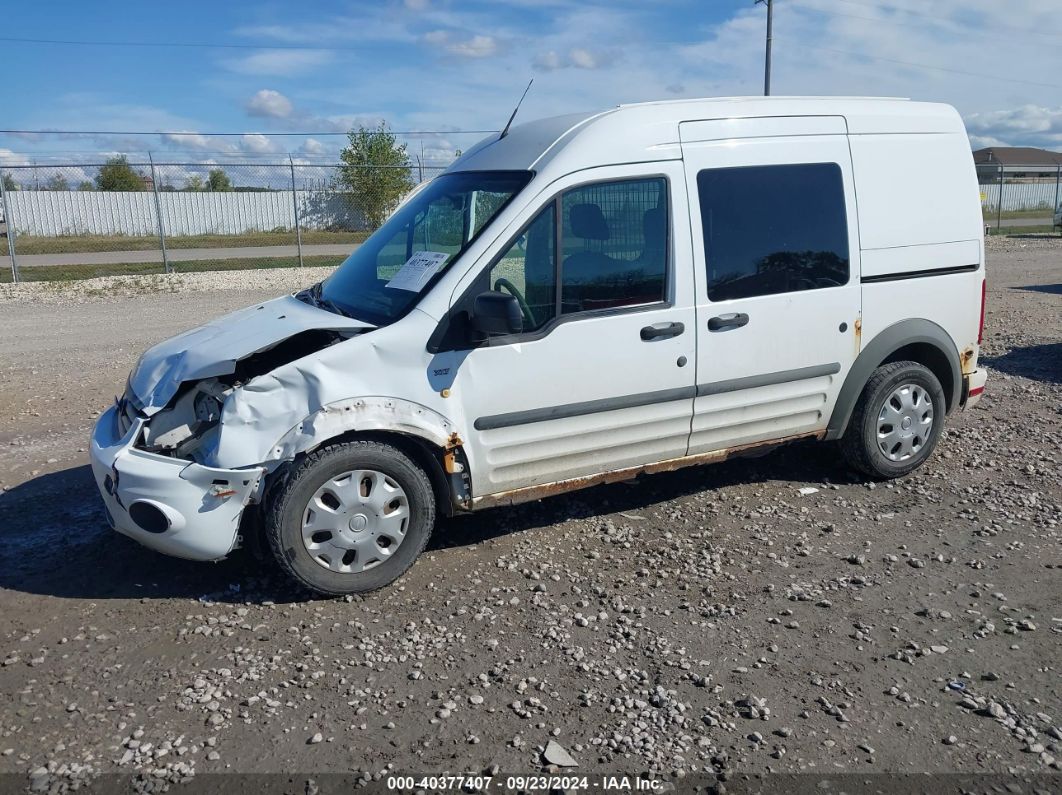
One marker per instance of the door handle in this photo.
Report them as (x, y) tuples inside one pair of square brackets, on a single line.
[(662, 330), (733, 320)]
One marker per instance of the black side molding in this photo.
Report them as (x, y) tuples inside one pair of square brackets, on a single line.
[(895, 277), (580, 409), (767, 379)]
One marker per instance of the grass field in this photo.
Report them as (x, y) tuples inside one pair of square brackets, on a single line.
[(1018, 231), (60, 273), (990, 215), (28, 244)]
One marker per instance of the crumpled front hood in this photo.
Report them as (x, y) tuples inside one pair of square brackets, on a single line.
[(214, 348)]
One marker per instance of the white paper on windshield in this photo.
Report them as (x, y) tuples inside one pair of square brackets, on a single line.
[(417, 271)]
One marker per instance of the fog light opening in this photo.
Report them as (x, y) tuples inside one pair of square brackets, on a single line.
[(149, 518)]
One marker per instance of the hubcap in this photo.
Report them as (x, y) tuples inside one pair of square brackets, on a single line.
[(355, 521), (905, 422)]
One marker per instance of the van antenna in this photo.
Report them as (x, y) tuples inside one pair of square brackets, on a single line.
[(509, 123)]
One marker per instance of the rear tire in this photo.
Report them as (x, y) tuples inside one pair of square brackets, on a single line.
[(350, 518), (897, 422)]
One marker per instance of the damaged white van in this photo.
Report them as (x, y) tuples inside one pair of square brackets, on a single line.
[(584, 299)]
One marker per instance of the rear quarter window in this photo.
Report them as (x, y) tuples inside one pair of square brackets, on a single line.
[(773, 229)]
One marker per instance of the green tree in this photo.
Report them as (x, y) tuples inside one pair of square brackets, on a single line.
[(117, 174), (9, 182), (57, 182), (218, 181), (376, 171), (193, 183), (86, 185)]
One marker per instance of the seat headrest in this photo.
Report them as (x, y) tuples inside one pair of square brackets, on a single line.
[(588, 222), (654, 226)]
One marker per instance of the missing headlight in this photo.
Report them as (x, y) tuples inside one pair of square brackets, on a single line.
[(181, 429)]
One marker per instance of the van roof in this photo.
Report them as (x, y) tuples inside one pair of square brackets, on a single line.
[(648, 131)]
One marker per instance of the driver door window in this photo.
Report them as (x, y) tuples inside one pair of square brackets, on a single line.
[(613, 244), (528, 270)]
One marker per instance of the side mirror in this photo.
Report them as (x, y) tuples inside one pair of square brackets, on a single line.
[(497, 313)]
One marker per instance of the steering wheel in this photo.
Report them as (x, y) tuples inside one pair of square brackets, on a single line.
[(525, 308)]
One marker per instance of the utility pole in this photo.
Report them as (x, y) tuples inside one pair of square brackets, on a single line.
[(767, 62)]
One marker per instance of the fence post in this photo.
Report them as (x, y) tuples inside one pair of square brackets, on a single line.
[(295, 207), (999, 205), (1058, 180), (158, 214), (8, 218)]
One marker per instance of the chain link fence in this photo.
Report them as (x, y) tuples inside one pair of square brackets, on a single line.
[(83, 220), (1019, 199)]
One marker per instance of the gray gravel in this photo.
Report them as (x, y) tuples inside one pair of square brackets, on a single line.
[(725, 619)]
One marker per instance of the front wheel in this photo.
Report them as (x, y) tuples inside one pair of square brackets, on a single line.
[(351, 518), (897, 421)]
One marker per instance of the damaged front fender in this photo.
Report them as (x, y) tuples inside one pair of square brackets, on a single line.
[(344, 388), (246, 428)]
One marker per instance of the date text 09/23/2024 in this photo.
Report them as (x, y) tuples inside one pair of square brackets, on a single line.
[(523, 783)]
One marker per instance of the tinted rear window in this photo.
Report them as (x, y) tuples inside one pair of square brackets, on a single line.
[(773, 229)]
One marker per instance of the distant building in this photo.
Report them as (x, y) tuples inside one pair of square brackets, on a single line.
[(1018, 162)]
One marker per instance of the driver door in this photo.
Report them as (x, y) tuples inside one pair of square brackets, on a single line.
[(601, 377)]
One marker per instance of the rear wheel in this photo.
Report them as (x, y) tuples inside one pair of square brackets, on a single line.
[(897, 421), (351, 518)]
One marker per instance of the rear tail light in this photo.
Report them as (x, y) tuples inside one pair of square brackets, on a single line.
[(981, 326)]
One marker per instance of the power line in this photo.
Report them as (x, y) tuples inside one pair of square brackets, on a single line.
[(901, 23), (177, 44), (980, 75), (187, 134), (939, 18)]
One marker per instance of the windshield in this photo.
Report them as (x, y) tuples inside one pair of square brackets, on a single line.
[(386, 274)]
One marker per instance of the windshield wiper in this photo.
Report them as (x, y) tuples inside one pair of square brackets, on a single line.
[(313, 296)]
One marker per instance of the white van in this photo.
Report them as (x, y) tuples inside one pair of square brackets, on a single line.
[(585, 299)]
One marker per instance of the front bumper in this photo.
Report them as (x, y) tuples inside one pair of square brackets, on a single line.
[(173, 506), (973, 387)]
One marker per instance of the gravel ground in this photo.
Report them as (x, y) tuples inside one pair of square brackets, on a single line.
[(717, 620)]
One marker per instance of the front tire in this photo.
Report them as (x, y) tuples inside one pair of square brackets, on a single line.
[(897, 422), (350, 518)]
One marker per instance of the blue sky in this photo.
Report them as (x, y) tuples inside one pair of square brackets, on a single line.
[(460, 65)]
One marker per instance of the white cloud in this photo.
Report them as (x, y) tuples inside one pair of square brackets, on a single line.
[(283, 63), (548, 61), (584, 59), (188, 140), (9, 158), (1032, 125), (257, 144), (983, 142), (477, 46), (416, 5), (197, 142), (313, 147), (269, 104), (575, 58)]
